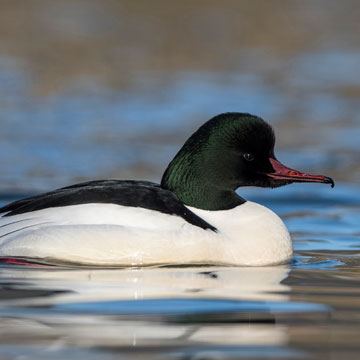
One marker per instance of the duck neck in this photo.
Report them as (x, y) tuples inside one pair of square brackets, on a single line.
[(196, 186)]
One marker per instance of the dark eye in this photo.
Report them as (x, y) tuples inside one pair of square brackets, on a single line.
[(248, 157)]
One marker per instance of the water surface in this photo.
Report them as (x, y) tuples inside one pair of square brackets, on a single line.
[(306, 309)]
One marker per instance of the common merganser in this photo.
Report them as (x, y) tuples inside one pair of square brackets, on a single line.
[(193, 217)]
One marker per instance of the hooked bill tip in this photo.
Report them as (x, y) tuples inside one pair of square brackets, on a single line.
[(330, 181)]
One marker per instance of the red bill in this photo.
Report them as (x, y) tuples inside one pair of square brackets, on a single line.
[(281, 172)]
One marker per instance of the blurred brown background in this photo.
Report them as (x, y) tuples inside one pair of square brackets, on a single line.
[(95, 89)]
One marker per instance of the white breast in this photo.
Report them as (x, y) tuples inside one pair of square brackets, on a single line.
[(108, 234), (253, 235)]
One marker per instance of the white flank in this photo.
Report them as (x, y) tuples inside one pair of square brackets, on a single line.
[(108, 234)]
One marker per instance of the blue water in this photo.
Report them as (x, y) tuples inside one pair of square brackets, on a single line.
[(90, 131), (187, 306)]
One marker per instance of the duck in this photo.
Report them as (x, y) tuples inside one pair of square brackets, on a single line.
[(193, 216)]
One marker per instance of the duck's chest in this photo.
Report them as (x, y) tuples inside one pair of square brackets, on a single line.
[(252, 234)]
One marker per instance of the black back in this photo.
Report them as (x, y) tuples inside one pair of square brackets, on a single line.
[(131, 193)]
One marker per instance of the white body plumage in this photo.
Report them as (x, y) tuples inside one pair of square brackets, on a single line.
[(115, 235)]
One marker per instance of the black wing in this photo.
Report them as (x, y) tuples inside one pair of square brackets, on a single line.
[(132, 193)]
